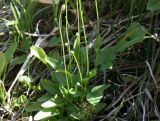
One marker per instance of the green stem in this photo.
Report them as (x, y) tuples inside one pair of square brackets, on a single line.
[(85, 36), (78, 65), (68, 42), (97, 16), (98, 30), (63, 50)]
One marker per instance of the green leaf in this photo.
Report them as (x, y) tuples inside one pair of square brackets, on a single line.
[(10, 51), (23, 98), (27, 44), (106, 57), (75, 112), (53, 41), (44, 98), (90, 75), (2, 93), (52, 62), (55, 54), (72, 91), (50, 86), (53, 102), (18, 60), (96, 94), (61, 78), (77, 49), (2, 63), (79, 52), (76, 45), (39, 53), (75, 92), (99, 107), (49, 104), (33, 107), (45, 113), (63, 90), (97, 44), (75, 78), (153, 5), (134, 34)]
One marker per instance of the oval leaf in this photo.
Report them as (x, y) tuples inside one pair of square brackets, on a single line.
[(10, 51), (44, 98), (134, 34), (39, 53), (75, 112), (33, 107), (153, 5), (96, 94), (18, 60), (52, 62), (106, 58), (45, 113), (49, 104), (50, 86)]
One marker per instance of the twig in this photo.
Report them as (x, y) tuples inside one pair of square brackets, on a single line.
[(112, 105), (150, 70), (36, 35)]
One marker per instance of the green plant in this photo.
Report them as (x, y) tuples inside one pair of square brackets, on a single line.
[(82, 60), (70, 92), (63, 98), (5, 59)]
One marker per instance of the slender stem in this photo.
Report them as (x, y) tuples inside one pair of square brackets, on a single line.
[(85, 36), (68, 42), (98, 31), (78, 65), (78, 17), (63, 50), (78, 37), (97, 16)]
